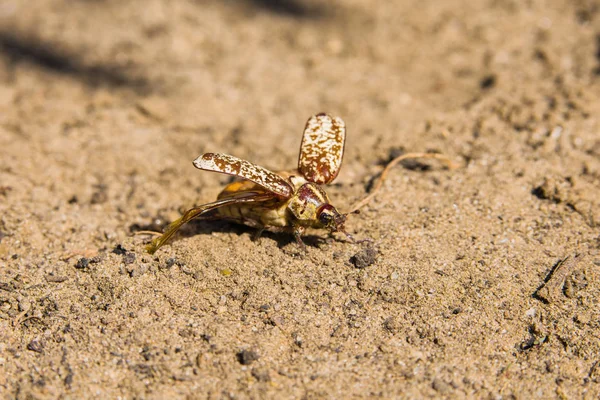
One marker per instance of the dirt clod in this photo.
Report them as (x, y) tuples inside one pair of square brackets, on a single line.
[(82, 263), (129, 258), (440, 386), (364, 258), (119, 250), (36, 346), (247, 357), (261, 374)]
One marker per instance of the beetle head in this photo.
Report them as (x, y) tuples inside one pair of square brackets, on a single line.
[(311, 208), (330, 218)]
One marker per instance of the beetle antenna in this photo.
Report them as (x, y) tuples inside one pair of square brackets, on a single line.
[(449, 164)]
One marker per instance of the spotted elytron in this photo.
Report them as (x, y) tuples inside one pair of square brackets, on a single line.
[(288, 201)]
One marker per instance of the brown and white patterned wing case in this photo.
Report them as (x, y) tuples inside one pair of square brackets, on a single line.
[(322, 148), (231, 165)]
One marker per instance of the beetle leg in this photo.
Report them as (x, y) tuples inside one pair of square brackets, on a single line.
[(197, 213), (258, 233), (174, 227), (298, 231), (354, 240), (350, 237)]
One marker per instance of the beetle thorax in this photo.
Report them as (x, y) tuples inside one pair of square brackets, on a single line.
[(306, 202)]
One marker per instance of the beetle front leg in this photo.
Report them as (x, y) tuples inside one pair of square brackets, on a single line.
[(356, 241), (298, 231)]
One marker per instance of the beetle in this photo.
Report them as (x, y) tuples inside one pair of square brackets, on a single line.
[(286, 201)]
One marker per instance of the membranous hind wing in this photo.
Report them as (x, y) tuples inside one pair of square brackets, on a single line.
[(231, 165), (322, 148), (198, 212)]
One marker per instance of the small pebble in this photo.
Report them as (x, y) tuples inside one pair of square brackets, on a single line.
[(247, 357), (364, 258)]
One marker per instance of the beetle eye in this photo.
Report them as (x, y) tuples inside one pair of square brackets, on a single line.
[(325, 218)]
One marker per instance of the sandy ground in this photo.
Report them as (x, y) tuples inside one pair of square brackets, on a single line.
[(480, 282)]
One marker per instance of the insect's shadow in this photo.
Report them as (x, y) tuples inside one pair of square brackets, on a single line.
[(300, 9), (220, 225), (290, 8), (282, 239), (409, 164), (22, 48)]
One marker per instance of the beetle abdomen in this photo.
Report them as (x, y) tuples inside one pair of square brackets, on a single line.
[(256, 214)]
